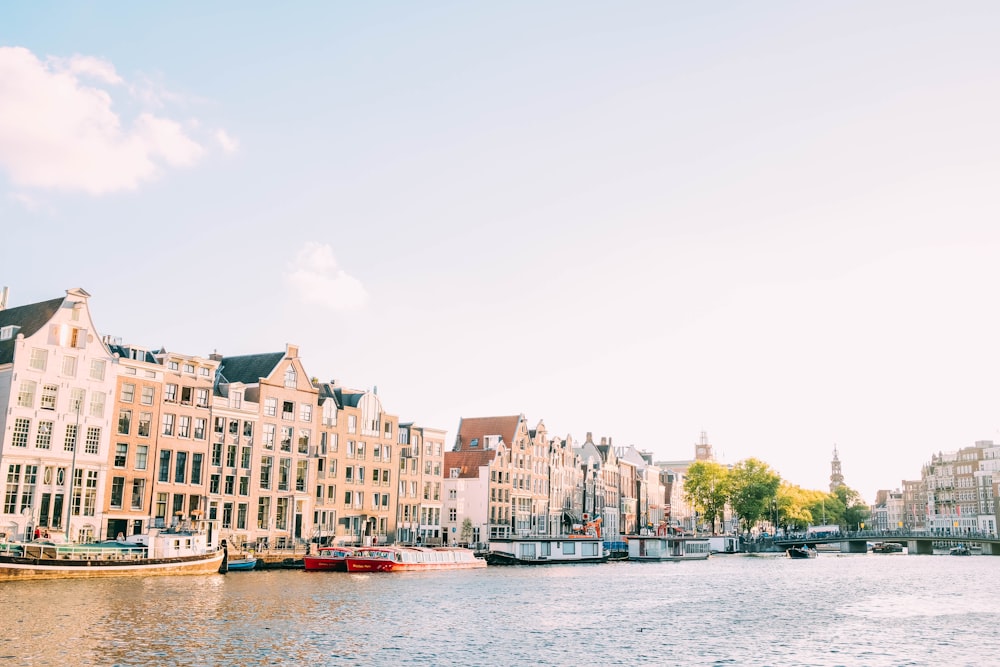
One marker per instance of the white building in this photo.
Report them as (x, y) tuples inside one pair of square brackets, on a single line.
[(57, 382)]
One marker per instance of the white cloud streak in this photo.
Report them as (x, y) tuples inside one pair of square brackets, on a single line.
[(315, 278), (59, 131)]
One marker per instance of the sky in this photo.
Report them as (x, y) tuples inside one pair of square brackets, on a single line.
[(776, 223)]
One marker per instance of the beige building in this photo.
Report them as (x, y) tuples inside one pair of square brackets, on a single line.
[(132, 454)]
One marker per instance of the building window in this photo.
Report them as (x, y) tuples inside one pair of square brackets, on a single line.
[(39, 358), (263, 512), (303, 442), (214, 481), (301, 470), (44, 438), (245, 456), (305, 412), (231, 456), (49, 394), (26, 394), (286, 438), (291, 379), (173, 365), (247, 429), (168, 424), (128, 392), (164, 475), (180, 468), (97, 369), (21, 428), (186, 393), (287, 410), (69, 366), (189, 368), (196, 462), (93, 441), (265, 472), (170, 393), (147, 395), (121, 454), (200, 425), (145, 420), (97, 404), (138, 490), (204, 371), (184, 427), (268, 436), (217, 454), (244, 486), (124, 421), (69, 444), (117, 491), (352, 424), (284, 472), (141, 456), (230, 485), (236, 399), (202, 398), (270, 407)]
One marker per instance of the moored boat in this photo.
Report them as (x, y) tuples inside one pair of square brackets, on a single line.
[(887, 548), (242, 563), (329, 559), (960, 550), (159, 553), (667, 548), (801, 552), (546, 550), (412, 559)]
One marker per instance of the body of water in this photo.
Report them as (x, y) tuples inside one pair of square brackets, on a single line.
[(837, 609)]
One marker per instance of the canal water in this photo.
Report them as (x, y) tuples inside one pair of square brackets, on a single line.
[(837, 609)]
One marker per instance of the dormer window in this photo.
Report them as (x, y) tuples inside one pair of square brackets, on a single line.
[(6, 333)]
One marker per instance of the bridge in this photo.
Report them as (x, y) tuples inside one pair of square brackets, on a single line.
[(856, 542)]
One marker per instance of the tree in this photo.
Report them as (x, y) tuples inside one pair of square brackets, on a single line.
[(706, 488), (752, 486), (466, 534), (855, 510)]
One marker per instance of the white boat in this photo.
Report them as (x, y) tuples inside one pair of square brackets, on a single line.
[(667, 548), (159, 553), (546, 550), (411, 559)]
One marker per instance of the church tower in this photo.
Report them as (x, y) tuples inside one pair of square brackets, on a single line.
[(703, 450), (836, 476)]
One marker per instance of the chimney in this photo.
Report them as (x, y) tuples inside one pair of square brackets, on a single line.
[(215, 356)]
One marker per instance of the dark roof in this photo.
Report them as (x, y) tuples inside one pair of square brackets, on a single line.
[(30, 318), (249, 368), (125, 352), (348, 398)]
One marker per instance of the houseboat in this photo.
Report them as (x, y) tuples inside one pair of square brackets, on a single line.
[(159, 553), (411, 559), (667, 548), (546, 550), (329, 559)]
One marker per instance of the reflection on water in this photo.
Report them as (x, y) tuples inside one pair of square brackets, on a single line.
[(730, 610)]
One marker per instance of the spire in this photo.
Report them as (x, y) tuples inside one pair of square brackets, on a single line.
[(836, 476)]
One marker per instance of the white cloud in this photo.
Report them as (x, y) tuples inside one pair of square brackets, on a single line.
[(59, 132), (228, 144), (315, 278)]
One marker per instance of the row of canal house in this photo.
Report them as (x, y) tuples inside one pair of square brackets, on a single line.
[(101, 438), (503, 478)]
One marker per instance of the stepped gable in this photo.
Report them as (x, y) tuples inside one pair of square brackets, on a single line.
[(477, 428), (30, 319), (249, 368)]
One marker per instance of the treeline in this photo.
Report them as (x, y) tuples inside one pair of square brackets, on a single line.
[(754, 492)]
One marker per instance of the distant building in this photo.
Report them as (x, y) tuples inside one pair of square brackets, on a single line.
[(836, 475)]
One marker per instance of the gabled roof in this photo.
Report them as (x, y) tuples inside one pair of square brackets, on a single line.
[(467, 462), (347, 397), (249, 368), (477, 428), (30, 318)]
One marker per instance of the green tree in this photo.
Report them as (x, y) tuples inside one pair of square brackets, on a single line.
[(752, 487), (855, 512), (466, 534), (706, 487)]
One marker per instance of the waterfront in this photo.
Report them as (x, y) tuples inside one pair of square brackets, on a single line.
[(730, 610)]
